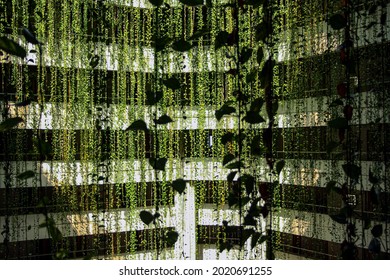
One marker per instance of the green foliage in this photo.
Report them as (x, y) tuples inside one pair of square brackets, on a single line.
[(259, 55), (245, 55), (221, 39), (11, 47)]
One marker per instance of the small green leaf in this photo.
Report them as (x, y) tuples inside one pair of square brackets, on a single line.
[(192, 2), (228, 158), (352, 171), (253, 118), (338, 123), (10, 123), (26, 175), (158, 164), (246, 54), (11, 47), (231, 175), (181, 46), (279, 166), (179, 185), (224, 110), (337, 21), (146, 217), (156, 3), (172, 237), (164, 119), (138, 125), (153, 97), (377, 231), (172, 83), (260, 55)]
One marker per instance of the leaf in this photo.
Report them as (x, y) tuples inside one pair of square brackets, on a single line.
[(181, 46), (10, 123), (146, 217), (377, 231), (231, 175), (279, 166), (339, 218), (221, 39), (331, 186), (261, 32), (240, 96), (153, 97), (256, 105), (352, 170), (156, 3), (228, 158), (191, 2), (253, 118), (337, 102), (30, 37), (235, 165), (249, 220), (374, 246), (383, 18), (198, 34), (23, 103), (372, 179), (249, 182), (179, 185), (164, 119), (11, 47), (138, 125), (158, 164), (258, 238), (224, 110), (26, 175), (172, 83), (339, 123), (331, 146), (260, 55), (245, 55), (94, 61), (254, 3), (246, 233), (337, 21), (232, 199), (172, 237), (161, 43), (256, 149), (251, 76), (227, 137)]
